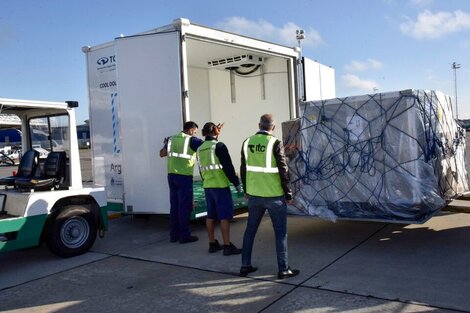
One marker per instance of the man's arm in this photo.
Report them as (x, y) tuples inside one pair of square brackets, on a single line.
[(243, 168), (281, 161), (195, 143), (222, 153)]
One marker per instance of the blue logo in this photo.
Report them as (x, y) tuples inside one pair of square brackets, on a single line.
[(104, 60)]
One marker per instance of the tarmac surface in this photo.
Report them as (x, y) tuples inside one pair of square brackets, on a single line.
[(345, 266)]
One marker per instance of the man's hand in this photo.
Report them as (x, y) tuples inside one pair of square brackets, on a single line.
[(239, 190), (164, 151)]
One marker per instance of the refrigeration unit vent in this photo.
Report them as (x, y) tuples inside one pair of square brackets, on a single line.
[(232, 63)]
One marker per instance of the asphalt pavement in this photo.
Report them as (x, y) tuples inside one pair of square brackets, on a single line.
[(344, 267)]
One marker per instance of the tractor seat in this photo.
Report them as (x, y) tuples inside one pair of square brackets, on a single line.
[(26, 168), (52, 176)]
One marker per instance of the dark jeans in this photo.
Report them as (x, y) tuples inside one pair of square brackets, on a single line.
[(181, 205), (277, 209)]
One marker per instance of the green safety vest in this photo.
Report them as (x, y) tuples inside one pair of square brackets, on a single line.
[(211, 170), (262, 174), (181, 157)]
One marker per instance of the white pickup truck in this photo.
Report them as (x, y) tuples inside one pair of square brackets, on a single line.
[(45, 201)]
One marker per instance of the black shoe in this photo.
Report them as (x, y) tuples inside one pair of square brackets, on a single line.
[(214, 246), (189, 239), (174, 240), (231, 249), (287, 273), (245, 270)]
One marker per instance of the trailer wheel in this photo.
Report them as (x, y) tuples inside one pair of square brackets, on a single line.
[(72, 232)]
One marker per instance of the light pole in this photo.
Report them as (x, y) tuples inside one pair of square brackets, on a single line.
[(300, 35), (456, 66)]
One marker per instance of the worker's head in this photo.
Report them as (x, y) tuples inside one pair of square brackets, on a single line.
[(190, 128), (266, 122), (209, 129)]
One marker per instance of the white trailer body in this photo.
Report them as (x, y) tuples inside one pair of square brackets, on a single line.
[(103, 111), (319, 81), (171, 75)]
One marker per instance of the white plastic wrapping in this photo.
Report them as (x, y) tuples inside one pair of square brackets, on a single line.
[(396, 157)]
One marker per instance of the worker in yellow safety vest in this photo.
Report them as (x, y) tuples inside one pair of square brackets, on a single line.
[(217, 172), (181, 152), (265, 177)]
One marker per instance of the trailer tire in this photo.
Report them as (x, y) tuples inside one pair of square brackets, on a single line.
[(72, 232)]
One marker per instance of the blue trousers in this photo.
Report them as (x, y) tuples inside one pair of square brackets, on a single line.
[(181, 205), (277, 209)]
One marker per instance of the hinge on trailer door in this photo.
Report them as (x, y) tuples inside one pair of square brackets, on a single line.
[(183, 37), (185, 94)]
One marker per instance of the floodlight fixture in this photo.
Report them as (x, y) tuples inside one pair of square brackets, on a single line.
[(299, 35)]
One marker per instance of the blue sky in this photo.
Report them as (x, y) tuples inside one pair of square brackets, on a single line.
[(383, 44)]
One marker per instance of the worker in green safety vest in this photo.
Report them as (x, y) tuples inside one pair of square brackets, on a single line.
[(265, 177), (217, 172), (181, 152)]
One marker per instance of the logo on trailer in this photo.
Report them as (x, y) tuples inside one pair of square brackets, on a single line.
[(105, 60)]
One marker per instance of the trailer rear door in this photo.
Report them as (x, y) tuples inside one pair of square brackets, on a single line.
[(318, 81), (149, 88)]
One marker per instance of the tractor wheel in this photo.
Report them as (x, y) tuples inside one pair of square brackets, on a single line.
[(72, 232)]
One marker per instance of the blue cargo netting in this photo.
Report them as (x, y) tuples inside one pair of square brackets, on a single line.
[(397, 157)]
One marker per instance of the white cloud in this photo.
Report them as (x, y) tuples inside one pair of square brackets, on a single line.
[(265, 30), (430, 25), (357, 66), (355, 82)]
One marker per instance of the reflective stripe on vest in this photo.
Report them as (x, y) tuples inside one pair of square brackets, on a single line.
[(269, 153), (183, 155), (211, 170), (262, 173), (213, 165)]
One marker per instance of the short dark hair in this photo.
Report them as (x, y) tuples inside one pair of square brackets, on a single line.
[(208, 128), (188, 125)]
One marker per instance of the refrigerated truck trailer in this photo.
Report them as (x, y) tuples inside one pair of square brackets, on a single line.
[(142, 88)]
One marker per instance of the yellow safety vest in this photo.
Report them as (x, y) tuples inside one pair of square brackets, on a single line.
[(181, 157), (211, 170), (262, 174)]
